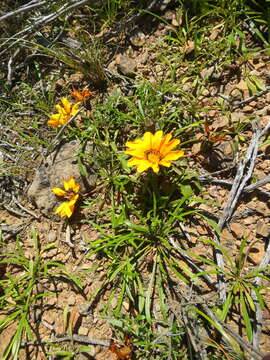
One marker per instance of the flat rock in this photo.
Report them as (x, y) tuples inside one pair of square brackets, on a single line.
[(126, 65), (262, 228), (238, 230), (60, 165)]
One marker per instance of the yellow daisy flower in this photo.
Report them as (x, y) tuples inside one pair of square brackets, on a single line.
[(152, 151), (65, 112), (71, 194), (67, 208)]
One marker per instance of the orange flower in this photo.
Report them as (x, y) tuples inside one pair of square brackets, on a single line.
[(65, 112), (71, 194), (81, 95), (152, 151)]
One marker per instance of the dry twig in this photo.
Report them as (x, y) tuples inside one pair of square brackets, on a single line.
[(21, 35), (27, 7), (236, 104), (76, 338), (257, 329), (243, 175)]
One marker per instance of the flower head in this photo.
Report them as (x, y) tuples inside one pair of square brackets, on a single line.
[(152, 151), (65, 112), (81, 95), (70, 194)]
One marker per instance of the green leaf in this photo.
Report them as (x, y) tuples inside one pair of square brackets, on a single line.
[(186, 190), (258, 83), (141, 301), (219, 328), (226, 307), (245, 315), (249, 300), (149, 293), (132, 226), (252, 88)]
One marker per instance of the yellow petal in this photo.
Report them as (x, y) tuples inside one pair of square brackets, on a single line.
[(132, 144), (64, 119), (59, 192), (60, 109), (165, 163), (138, 145), (52, 123), (147, 140), (156, 140), (64, 209), (139, 153), (155, 167), (71, 185), (66, 105), (152, 151), (74, 199), (75, 108), (54, 120), (173, 155), (134, 161), (76, 188), (166, 148), (143, 165)]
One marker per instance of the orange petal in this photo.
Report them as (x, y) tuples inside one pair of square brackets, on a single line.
[(54, 120)]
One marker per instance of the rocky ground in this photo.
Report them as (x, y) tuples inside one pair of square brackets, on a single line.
[(216, 158)]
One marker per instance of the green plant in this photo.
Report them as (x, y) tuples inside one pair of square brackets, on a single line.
[(19, 289), (242, 292)]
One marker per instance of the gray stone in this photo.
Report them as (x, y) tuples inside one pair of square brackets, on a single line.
[(60, 165), (137, 37), (126, 66)]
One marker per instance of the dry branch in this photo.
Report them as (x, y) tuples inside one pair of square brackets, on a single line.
[(257, 330), (21, 35), (27, 7), (244, 172), (247, 189), (74, 338), (153, 6), (243, 175), (237, 104)]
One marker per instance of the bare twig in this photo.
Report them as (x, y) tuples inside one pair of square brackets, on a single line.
[(247, 165), (259, 183), (243, 175), (131, 20), (30, 6), (76, 338), (257, 329), (15, 231), (243, 343), (245, 101), (10, 68), (16, 201), (210, 180), (13, 211), (68, 237), (43, 21), (187, 258)]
